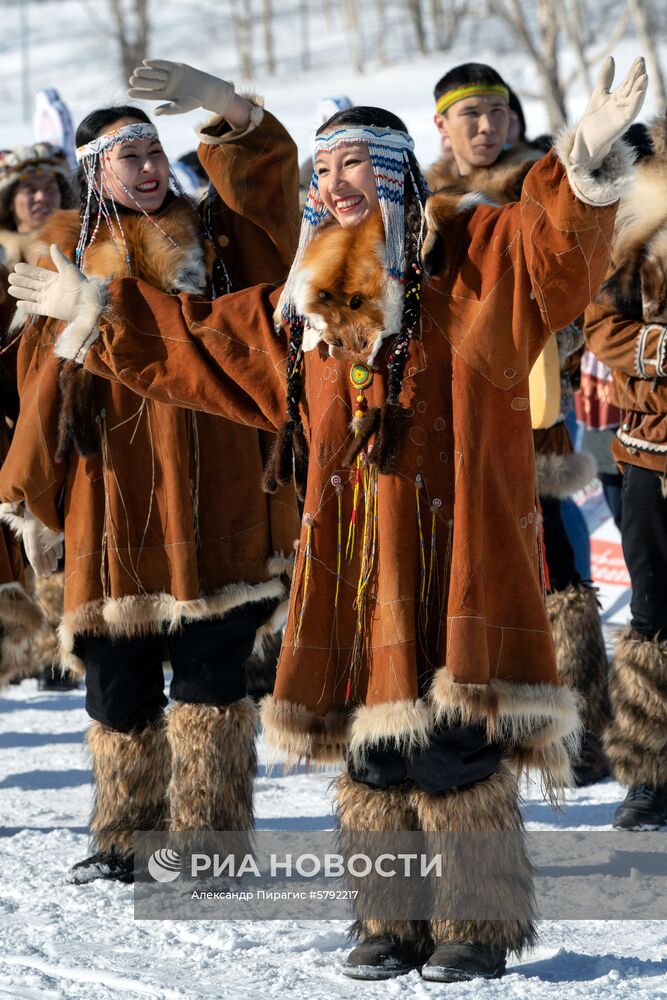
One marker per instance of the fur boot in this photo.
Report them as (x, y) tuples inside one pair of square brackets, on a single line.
[(130, 775), (362, 809), (214, 762), (636, 738), (574, 617), (49, 592), (20, 619), (492, 807)]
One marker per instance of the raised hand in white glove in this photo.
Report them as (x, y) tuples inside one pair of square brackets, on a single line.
[(608, 115), (183, 87), (43, 547)]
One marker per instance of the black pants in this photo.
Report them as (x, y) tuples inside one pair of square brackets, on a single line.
[(124, 678), (559, 552), (456, 756), (612, 487), (644, 537)]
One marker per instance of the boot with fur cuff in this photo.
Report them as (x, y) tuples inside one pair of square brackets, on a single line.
[(486, 897), (130, 775), (636, 738), (574, 617), (387, 948), (213, 766)]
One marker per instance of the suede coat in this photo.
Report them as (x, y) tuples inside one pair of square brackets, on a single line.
[(560, 470), (455, 624), (20, 617), (626, 327), (162, 508), (619, 339)]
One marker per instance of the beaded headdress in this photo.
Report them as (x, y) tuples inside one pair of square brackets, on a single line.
[(91, 162), (126, 133), (388, 150)]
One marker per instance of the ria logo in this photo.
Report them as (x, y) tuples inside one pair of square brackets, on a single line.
[(165, 865)]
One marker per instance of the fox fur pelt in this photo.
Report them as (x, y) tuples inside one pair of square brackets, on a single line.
[(169, 253), (342, 288)]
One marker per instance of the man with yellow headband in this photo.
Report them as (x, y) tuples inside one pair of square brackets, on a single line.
[(472, 115)]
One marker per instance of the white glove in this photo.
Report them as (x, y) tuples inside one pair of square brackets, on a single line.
[(184, 88), (608, 115), (48, 293), (43, 547)]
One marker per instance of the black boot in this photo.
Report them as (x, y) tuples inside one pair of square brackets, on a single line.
[(54, 680), (453, 962), (108, 865), (383, 957), (643, 808)]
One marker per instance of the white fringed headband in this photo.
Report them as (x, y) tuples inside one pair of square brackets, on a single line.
[(126, 133)]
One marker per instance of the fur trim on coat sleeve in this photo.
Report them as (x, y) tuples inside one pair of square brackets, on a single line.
[(208, 131), (81, 332), (597, 187), (564, 475), (12, 514)]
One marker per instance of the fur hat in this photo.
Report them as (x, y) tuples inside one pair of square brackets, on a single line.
[(18, 164)]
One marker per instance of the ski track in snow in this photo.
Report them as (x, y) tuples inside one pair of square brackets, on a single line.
[(62, 942)]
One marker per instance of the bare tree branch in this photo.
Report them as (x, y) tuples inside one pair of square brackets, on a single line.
[(643, 17)]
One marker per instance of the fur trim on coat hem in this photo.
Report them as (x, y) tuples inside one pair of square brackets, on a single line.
[(140, 614), (603, 186), (297, 734), (405, 724), (561, 476), (539, 724)]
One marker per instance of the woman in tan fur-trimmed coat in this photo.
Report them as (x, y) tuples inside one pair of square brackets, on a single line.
[(406, 653), (171, 549), (572, 604)]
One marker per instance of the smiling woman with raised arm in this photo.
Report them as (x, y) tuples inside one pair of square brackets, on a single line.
[(417, 648), (172, 550)]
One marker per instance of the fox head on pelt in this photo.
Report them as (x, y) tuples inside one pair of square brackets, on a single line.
[(344, 294)]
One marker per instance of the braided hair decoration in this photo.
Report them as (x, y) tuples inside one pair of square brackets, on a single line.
[(402, 192)]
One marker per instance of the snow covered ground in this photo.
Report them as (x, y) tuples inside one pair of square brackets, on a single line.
[(61, 942)]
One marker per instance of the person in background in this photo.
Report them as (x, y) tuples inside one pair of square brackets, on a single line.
[(34, 183), (626, 329)]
